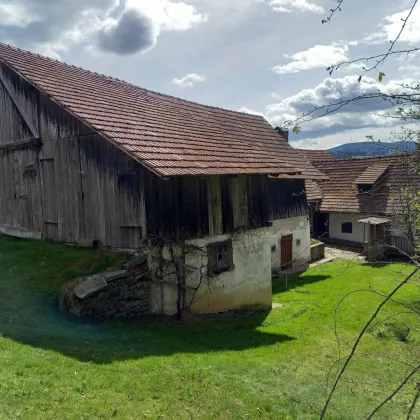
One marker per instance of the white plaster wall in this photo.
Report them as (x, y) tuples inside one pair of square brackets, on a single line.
[(247, 285), (360, 230), (299, 227)]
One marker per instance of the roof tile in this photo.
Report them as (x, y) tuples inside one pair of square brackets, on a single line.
[(168, 135)]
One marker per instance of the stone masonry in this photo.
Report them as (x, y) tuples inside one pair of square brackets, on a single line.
[(119, 294)]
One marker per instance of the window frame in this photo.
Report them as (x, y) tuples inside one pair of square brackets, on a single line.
[(347, 231), (220, 257)]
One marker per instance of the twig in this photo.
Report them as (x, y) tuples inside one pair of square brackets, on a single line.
[(333, 11), (416, 397), (395, 392), (397, 37), (360, 336)]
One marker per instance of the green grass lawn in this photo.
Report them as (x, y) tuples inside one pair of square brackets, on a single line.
[(263, 365)]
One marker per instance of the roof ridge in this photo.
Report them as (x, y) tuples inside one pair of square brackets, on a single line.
[(313, 150), (164, 95), (361, 158)]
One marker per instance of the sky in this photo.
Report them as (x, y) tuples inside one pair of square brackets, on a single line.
[(261, 56)]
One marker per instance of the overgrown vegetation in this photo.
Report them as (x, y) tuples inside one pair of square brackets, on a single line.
[(262, 365)]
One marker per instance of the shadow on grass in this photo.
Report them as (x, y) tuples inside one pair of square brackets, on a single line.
[(101, 342), (31, 276), (283, 284)]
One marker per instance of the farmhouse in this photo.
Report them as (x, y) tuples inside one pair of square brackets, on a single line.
[(363, 201), (86, 157)]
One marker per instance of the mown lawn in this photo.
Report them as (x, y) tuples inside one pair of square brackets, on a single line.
[(262, 365)]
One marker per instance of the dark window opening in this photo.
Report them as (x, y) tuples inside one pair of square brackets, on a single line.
[(220, 257), (347, 227), (364, 188)]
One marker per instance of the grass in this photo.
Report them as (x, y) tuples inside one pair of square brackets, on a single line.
[(262, 365)]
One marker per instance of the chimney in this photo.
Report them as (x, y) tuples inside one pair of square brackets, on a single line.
[(283, 133)]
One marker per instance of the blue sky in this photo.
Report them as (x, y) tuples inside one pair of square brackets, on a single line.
[(263, 56)]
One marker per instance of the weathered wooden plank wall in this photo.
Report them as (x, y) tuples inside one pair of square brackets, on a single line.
[(20, 201), (12, 126), (176, 208), (114, 207), (258, 213), (287, 198), (75, 186)]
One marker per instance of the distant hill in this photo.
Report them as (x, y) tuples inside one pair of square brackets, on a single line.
[(369, 148)]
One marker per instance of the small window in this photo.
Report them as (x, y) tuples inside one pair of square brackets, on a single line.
[(297, 242), (273, 248), (347, 227), (363, 188), (220, 257)]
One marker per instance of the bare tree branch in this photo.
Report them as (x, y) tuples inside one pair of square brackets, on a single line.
[(397, 37), (395, 392), (360, 336), (333, 11), (358, 60), (416, 397)]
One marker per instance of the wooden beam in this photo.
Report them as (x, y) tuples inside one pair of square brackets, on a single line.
[(22, 112), (32, 142), (239, 197), (214, 205)]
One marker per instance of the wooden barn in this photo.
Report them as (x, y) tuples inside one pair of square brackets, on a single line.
[(84, 156)]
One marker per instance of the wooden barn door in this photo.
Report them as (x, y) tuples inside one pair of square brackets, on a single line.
[(286, 251), (49, 199)]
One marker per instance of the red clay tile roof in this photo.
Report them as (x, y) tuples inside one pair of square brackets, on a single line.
[(313, 190), (314, 155), (372, 174), (169, 136), (340, 192)]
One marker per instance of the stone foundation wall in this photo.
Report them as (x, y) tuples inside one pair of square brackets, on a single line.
[(317, 252), (120, 294)]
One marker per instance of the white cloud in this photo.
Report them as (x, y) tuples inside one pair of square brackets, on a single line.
[(14, 15), (352, 67), (319, 56), (168, 15), (361, 113), (391, 26), (287, 6), (122, 27), (246, 110), (139, 25), (408, 71), (411, 31), (190, 80)]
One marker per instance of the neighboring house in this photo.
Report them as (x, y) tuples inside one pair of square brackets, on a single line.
[(363, 200), (88, 157), (312, 188)]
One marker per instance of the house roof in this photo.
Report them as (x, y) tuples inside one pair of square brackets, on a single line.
[(170, 136), (372, 174), (340, 192), (313, 190), (314, 155)]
